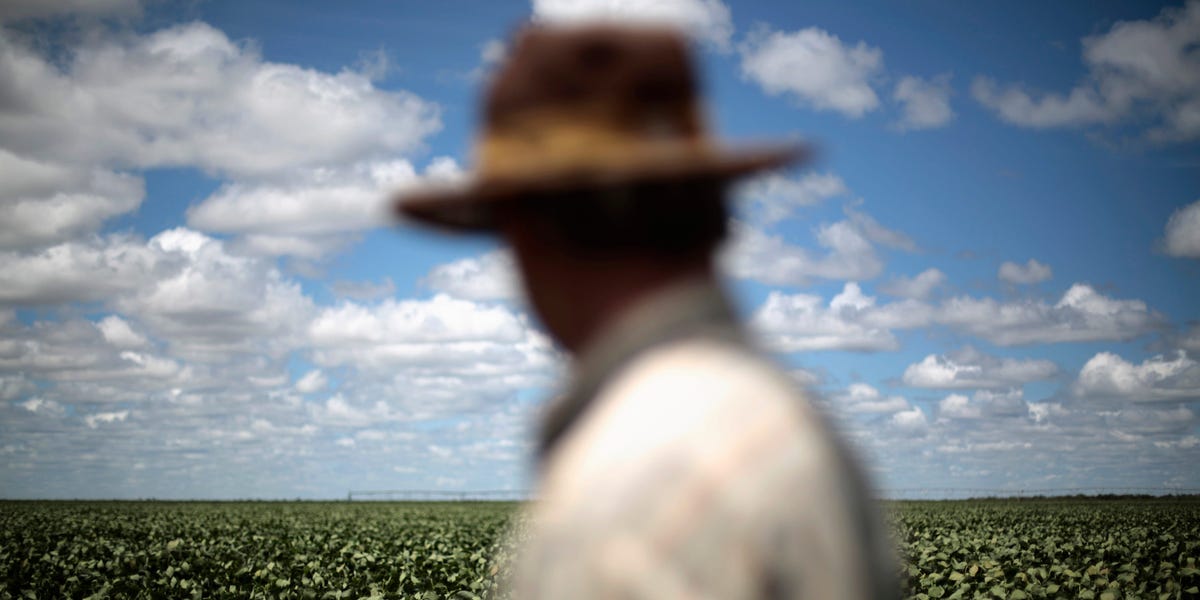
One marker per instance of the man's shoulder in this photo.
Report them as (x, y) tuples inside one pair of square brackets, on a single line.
[(676, 414), (690, 381)]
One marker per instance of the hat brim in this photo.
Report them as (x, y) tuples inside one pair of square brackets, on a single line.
[(470, 206)]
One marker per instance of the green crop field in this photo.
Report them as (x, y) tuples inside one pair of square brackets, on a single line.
[(1105, 549)]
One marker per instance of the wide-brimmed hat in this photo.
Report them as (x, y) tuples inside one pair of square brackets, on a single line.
[(585, 107)]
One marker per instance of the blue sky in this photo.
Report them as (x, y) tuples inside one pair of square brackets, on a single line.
[(989, 278)]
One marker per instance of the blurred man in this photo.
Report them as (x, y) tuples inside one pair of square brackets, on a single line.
[(680, 463)]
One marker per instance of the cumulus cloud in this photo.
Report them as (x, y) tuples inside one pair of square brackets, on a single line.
[(1031, 272), (189, 96), (119, 333), (181, 285), (707, 20), (446, 348), (853, 320), (984, 404), (1134, 424), (773, 197), (312, 381), (918, 288), (850, 252), (1082, 314), (912, 420), (925, 103), (77, 351), (216, 303), (317, 201), (491, 54), (304, 215), (491, 276), (1156, 379), (865, 399), (98, 419), (850, 321), (814, 68), (1183, 232), (1017, 106), (90, 269), (41, 406), (958, 406), (43, 202), (1138, 68), (969, 368)]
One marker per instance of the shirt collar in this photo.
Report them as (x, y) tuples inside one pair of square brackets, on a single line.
[(693, 307)]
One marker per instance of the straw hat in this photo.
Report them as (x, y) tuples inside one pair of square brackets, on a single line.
[(587, 107)]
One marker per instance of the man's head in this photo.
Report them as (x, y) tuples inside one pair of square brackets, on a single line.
[(584, 259), (596, 166)]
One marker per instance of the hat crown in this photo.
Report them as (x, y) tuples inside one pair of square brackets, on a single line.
[(633, 79), (587, 107)]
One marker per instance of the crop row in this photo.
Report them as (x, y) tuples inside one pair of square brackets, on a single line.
[(1106, 550)]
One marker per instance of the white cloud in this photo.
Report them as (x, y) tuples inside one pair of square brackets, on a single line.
[(1016, 105), (1007, 403), (492, 53), (1156, 379), (985, 403), (1184, 443), (1082, 314), (118, 333), (84, 270), (1145, 68), (217, 304), (707, 20), (1134, 424), (42, 202), (957, 406), (95, 420), (970, 368), (774, 197), (801, 322), (189, 96), (1043, 412), (444, 348), (919, 287), (815, 68), (912, 420), (926, 102), (180, 285), (1029, 273), (41, 406), (850, 252), (807, 378), (865, 399), (855, 321), (312, 381), (491, 276), (1183, 232), (313, 201), (878, 233), (337, 411)]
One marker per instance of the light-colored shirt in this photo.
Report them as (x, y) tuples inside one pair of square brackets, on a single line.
[(684, 465)]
